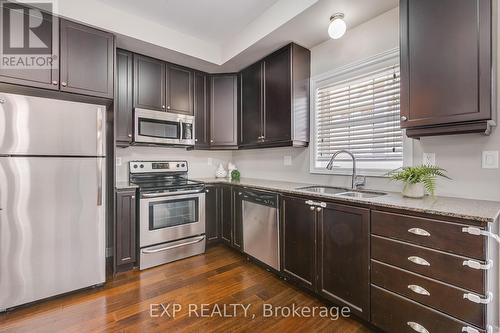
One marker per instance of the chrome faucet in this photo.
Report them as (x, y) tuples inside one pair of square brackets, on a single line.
[(355, 184)]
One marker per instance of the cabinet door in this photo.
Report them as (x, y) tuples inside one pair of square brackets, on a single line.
[(277, 96), (223, 110), (125, 228), (344, 257), (86, 60), (201, 116), (299, 250), (212, 202), (226, 214), (46, 77), (445, 61), (237, 242), (149, 83), (179, 90), (251, 105), (124, 106)]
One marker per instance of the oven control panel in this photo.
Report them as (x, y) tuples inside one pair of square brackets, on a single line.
[(158, 166)]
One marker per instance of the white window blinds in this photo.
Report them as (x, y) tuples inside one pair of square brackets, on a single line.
[(360, 115)]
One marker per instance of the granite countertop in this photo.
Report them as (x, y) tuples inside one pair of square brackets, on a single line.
[(475, 210), (125, 185)]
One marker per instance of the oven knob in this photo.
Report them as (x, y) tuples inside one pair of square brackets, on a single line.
[(135, 166), (183, 165), (142, 166), (178, 165)]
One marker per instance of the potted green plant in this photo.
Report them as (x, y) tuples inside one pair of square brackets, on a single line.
[(418, 179)]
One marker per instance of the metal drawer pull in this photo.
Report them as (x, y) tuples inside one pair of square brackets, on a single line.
[(468, 329), (419, 290), (315, 203), (479, 232), (417, 327), (478, 299), (419, 232), (419, 261), (478, 265), (174, 246), (309, 202)]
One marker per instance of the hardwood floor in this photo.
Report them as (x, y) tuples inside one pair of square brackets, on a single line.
[(218, 277)]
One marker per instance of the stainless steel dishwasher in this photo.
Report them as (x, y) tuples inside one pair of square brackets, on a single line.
[(260, 215)]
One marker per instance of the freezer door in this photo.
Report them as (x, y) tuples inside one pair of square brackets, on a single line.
[(52, 227), (42, 126)]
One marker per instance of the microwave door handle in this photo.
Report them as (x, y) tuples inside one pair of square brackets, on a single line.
[(181, 125)]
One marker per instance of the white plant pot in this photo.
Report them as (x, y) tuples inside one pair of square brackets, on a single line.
[(414, 190)]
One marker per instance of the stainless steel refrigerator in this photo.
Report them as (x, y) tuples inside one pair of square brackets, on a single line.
[(52, 197)]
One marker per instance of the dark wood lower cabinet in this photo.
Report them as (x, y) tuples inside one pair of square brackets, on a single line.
[(125, 244), (299, 242), (344, 257), (212, 214), (237, 227), (226, 214)]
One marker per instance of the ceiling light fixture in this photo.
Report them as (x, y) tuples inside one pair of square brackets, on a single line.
[(337, 26)]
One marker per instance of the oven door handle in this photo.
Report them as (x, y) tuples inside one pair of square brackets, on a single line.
[(168, 194), (197, 240)]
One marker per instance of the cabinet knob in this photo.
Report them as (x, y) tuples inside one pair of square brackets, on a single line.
[(168, 107), (133, 197), (311, 208), (318, 209), (195, 140), (64, 84), (130, 135), (211, 141), (404, 118), (163, 106), (207, 190), (55, 82)]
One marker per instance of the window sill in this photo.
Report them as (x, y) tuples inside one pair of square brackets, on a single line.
[(380, 173)]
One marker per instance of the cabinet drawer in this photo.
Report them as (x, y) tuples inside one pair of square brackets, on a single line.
[(435, 264), (440, 296), (436, 234), (395, 314)]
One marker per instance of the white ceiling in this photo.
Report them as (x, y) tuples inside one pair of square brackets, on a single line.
[(218, 35), (215, 21)]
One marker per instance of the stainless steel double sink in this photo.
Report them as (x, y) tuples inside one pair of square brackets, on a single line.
[(341, 192)]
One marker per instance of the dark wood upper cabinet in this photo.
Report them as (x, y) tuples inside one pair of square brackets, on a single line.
[(446, 62), (47, 78), (86, 60), (179, 89), (299, 242), (224, 111), (125, 230), (201, 111), (252, 99), (212, 214), (275, 100), (344, 257), (149, 83), (124, 105)]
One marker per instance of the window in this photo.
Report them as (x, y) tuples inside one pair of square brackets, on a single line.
[(359, 111)]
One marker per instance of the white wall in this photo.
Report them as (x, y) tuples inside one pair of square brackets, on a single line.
[(197, 160), (460, 154)]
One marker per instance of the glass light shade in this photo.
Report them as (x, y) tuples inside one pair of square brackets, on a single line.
[(337, 28)]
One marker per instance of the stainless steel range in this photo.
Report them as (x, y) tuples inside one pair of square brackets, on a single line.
[(172, 212)]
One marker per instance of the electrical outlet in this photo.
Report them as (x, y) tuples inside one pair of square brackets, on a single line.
[(287, 160), (210, 161), (490, 159), (429, 159), (118, 161)]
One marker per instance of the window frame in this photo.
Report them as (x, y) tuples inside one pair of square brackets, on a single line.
[(345, 73)]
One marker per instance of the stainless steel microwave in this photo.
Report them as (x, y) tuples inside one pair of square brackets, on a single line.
[(159, 127)]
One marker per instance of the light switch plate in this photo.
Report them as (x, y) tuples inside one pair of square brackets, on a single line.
[(287, 160), (118, 161), (429, 158), (490, 159)]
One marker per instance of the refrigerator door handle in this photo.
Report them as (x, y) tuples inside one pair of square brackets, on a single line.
[(100, 132), (99, 181)]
